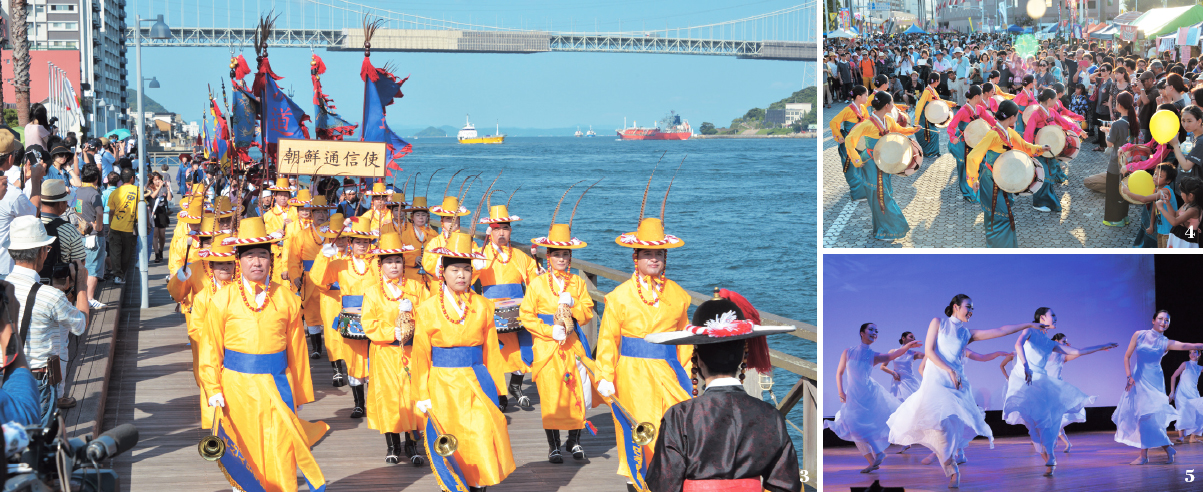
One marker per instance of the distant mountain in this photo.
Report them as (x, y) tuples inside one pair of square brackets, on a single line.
[(148, 104), (431, 132), (451, 131)]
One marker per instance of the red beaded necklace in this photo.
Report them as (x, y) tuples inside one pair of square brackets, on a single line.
[(657, 289), (250, 306), (509, 255), (355, 267), (443, 305), (551, 281), (385, 289)]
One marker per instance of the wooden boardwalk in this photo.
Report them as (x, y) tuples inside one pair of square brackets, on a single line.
[(152, 387)]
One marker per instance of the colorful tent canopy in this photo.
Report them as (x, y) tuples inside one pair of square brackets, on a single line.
[(914, 30), (1108, 32), (1126, 17), (1159, 22)]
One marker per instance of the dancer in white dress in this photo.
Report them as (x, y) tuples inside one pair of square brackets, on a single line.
[(1184, 394), (906, 380), (1144, 411), (1056, 362), (966, 356), (1036, 399), (866, 403), (942, 415)]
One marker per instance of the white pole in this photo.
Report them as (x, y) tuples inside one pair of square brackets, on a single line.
[(143, 255)]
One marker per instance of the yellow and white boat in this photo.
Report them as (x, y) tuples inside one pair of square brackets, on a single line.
[(468, 135)]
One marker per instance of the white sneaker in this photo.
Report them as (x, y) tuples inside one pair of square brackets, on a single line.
[(118, 281), (1042, 209), (95, 304)]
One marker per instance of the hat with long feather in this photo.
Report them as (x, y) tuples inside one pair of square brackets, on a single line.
[(650, 234)]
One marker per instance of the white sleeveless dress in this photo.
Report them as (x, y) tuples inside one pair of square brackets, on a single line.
[(1043, 404), (908, 381), (1056, 361), (862, 419), (1144, 412), (1186, 398), (939, 416)]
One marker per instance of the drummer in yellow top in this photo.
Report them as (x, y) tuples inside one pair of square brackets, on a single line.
[(378, 214), (390, 404), (449, 213), (329, 299), (304, 242), (841, 124), (647, 378), (276, 218), (190, 221), (354, 274), (888, 222), (457, 368), (565, 392), (999, 223), (507, 273), (929, 136), (418, 233), (254, 365), (218, 270)]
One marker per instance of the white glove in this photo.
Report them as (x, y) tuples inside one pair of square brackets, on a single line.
[(397, 333), (406, 305), (328, 250), (423, 406), (183, 274), (217, 401), (605, 388), (566, 298), (479, 264), (558, 333)]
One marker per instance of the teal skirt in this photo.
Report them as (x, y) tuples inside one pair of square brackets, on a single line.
[(928, 136), (888, 222), (855, 176), (997, 208), (1044, 197), (959, 152)]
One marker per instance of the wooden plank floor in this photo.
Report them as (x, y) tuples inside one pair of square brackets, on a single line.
[(152, 387), (91, 358), (1096, 463)]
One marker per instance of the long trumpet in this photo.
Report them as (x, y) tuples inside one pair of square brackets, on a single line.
[(445, 445), (644, 432), (211, 448)]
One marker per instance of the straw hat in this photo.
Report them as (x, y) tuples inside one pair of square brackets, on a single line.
[(390, 244), (459, 245), (54, 190), (560, 237), (361, 228), (208, 227), (251, 232), (378, 189), (281, 185), (650, 235), (219, 251), (197, 189), (223, 207), (27, 232), (397, 199), (419, 204), (330, 232), (194, 213), (449, 208), (499, 214)]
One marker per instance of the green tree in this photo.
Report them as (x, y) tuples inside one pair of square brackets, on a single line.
[(707, 128), (754, 114)]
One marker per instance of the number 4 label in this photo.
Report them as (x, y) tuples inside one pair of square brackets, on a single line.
[(1190, 475)]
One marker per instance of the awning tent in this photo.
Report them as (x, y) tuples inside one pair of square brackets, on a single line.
[(1126, 17), (840, 33), (1159, 22), (1108, 32), (1014, 28), (914, 30)]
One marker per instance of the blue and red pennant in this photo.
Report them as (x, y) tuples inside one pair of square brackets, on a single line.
[(380, 89), (446, 469)]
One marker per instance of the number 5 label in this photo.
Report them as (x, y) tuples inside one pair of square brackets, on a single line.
[(1190, 475)]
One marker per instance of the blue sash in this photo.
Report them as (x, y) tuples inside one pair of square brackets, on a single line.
[(275, 364), (350, 301), (307, 264), (397, 343), (234, 463), (638, 347), (334, 286), (473, 357), (547, 318), (513, 291)]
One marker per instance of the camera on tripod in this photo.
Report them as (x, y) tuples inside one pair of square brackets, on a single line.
[(51, 462)]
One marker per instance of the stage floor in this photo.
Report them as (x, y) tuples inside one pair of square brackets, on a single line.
[(1096, 463)]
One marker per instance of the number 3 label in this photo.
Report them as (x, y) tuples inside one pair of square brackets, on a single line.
[(806, 475), (1190, 475)]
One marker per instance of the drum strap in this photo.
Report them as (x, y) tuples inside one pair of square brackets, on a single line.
[(994, 203), (881, 200)]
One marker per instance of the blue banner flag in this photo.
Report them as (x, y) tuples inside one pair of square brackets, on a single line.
[(234, 464), (380, 89), (634, 453), (282, 118), (446, 469), (244, 118)]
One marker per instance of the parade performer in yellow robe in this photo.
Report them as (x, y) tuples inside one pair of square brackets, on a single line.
[(646, 377), (390, 403), (449, 213), (565, 391), (457, 367), (181, 227), (329, 300), (417, 232), (184, 286), (276, 218), (303, 242), (189, 221), (217, 269), (507, 273), (353, 274), (379, 214), (256, 368)]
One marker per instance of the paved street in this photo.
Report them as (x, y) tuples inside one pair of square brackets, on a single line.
[(939, 218)]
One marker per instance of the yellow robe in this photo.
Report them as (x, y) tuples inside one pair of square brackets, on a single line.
[(273, 440), (561, 400), (273, 221), (390, 399), (847, 114), (994, 142), (304, 245), (329, 305), (200, 310), (646, 387), (378, 218), (350, 282), (458, 399), (178, 247), (430, 262), (414, 259), (520, 269), (193, 296)]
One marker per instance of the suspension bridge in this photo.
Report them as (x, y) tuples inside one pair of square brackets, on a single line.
[(337, 25)]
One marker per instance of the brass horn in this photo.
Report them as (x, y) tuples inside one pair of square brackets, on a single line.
[(645, 433), (211, 448), (446, 444)]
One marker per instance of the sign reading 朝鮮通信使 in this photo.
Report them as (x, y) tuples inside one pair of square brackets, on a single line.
[(331, 158)]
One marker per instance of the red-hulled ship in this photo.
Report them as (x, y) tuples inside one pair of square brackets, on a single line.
[(670, 128)]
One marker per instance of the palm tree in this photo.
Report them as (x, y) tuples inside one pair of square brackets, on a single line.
[(20, 40)]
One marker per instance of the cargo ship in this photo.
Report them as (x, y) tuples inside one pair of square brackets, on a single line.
[(468, 135), (670, 128), (590, 133)]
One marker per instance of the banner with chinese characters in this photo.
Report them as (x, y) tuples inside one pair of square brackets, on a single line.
[(331, 158), (1127, 33)]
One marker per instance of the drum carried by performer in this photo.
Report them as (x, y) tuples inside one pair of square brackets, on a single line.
[(893, 155), (990, 173), (933, 118), (967, 128), (1046, 128)]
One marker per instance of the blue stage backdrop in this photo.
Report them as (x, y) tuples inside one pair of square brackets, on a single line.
[(1097, 299)]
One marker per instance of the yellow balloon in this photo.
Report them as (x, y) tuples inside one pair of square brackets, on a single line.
[(1164, 126), (1141, 183)]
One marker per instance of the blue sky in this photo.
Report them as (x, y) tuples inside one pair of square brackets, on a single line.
[(545, 90)]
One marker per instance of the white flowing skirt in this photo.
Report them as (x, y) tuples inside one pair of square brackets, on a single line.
[(862, 418), (939, 417)]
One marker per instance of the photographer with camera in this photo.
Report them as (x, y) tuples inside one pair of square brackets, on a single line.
[(46, 315)]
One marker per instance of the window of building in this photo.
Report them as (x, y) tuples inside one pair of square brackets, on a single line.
[(1091, 5), (62, 8), (39, 9)]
